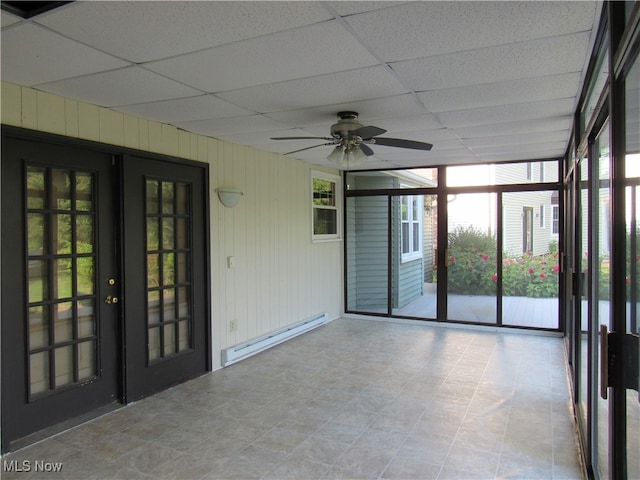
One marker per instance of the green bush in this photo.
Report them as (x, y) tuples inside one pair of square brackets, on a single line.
[(473, 268)]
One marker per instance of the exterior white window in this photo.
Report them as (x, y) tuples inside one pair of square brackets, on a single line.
[(542, 217), (556, 219), (411, 226), (326, 199)]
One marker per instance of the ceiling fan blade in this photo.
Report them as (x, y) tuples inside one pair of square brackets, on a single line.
[(301, 138), (368, 132), (309, 148), (366, 150), (401, 143)]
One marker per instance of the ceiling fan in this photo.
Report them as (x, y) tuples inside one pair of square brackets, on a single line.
[(352, 140)]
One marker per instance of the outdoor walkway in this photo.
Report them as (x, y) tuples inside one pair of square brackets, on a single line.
[(356, 399)]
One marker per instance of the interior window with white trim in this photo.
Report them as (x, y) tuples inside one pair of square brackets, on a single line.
[(411, 222), (326, 192)]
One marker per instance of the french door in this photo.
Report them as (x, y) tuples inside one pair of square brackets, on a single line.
[(103, 280)]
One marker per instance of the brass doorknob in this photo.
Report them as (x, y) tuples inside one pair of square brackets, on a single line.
[(111, 299)]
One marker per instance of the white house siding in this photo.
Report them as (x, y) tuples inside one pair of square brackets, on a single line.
[(280, 277), (513, 205)]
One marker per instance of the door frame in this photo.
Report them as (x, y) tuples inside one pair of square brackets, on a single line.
[(118, 154)]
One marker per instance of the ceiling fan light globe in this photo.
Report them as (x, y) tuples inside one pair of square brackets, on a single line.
[(337, 156)]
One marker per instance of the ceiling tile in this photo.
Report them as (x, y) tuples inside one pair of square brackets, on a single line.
[(501, 93), (150, 30), (184, 109), (469, 25), (344, 8), (120, 87), (342, 87), (526, 126), (506, 113), (537, 58), (368, 110), (317, 49), (32, 55), (518, 139), (232, 125)]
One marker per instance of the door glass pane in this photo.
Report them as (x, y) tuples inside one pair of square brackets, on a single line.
[(64, 365), (529, 278), (63, 322), (38, 327), (168, 257), (84, 191), (61, 188), (86, 318), (86, 360), (414, 278), (37, 233), (39, 372), (602, 293), (582, 225), (367, 254), (36, 187), (61, 277), (84, 234), (472, 262), (632, 161)]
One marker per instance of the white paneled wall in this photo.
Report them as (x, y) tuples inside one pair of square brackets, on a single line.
[(279, 276)]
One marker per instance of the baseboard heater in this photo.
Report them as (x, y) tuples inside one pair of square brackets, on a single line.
[(244, 350)]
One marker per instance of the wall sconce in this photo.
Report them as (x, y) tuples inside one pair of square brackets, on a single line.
[(229, 196)]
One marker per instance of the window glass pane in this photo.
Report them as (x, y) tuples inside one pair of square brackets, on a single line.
[(596, 85), (182, 268), (410, 178), (367, 254), (182, 233), (471, 284), (632, 161), (184, 302), (324, 192), (502, 174), (325, 221), (529, 280)]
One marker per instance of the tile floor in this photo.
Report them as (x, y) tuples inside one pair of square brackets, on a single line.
[(355, 399)]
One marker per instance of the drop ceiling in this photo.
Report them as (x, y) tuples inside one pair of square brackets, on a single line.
[(482, 81)]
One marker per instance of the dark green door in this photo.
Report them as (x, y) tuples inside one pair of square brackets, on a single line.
[(59, 335)]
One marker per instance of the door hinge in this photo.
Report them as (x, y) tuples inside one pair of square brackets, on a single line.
[(618, 351)]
